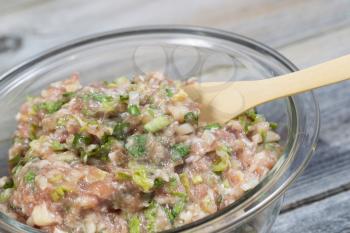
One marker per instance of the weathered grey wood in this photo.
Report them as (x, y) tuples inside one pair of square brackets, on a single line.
[(307, 32), (326, 216), (319, 48), (274, 22), (330, 166), (11, 6)]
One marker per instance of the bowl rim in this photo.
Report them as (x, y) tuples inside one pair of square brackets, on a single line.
[(194, 31)]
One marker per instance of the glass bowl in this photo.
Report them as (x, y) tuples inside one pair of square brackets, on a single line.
[(181, 53)]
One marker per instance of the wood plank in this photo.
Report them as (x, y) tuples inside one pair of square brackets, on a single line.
[(288, 25), (329, 215), (11, 6), (25, 25), (330, 165), (274, 22)]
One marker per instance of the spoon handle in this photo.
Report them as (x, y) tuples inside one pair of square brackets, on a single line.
[(221, 101), (261, 91)]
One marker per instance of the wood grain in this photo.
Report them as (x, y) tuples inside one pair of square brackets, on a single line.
[(307, 32), (43, 24), (330, 166), (329, 215)]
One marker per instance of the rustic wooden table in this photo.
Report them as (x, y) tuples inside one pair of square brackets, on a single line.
[(306, 32)]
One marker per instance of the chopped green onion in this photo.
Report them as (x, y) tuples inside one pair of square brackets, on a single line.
[(8, 184), (226, 184), (134, 224), (245, 122), (197, 179), (172, 184), (273, 125), (100, 97), (219, 200), (191, 118), (103, 151), (212, 126), (185, 181), (57, 146), (108, 106), (169, 92), (169, 215), (251, 113), (111, 84), (16, 169), (221, 166), (134, 110), (259, 118), (122, 176), (174, 212), (224, 161), (15, 160), (106, 138), (69, 95), (178, 151), (158, 182), (29, 177), (157, 124), (29, 158), (263, 135), (124, 98), (179, 194), (151, 215), (151, 111), (106, 101), (22, 162), (136, 145), (32, 131), (271, 146), (55, 178), (5, 195), (58, 193), (81, 140), (178, 207), (141, 178), (62, 121), (79, 143), (50, 106), (84, 156), (120, 130)]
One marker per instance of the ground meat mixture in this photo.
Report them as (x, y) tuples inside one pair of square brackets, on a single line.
[(128, 156)]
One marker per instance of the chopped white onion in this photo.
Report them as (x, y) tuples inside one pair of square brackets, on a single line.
[(41, 216), (184, 129), (272, 137), (41, 181), (257, 138), (134, 98), (178, 112), (208, 137)]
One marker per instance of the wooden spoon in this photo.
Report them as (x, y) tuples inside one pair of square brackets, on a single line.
[(222, 101)]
